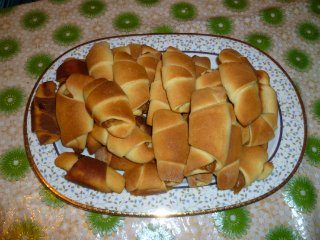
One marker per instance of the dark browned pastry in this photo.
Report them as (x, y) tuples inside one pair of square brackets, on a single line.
[(70, 66), (90, 172), (43, 114)]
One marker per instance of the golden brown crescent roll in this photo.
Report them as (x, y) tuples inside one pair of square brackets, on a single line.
[(72, 116), (43, 114), (113, 161), (178, 77), (227, 176), (170, 142), (90, 172), (210, 126), (158, 96), (262, 129), (110, 107), (202, 64), (210, 78), (144, 180), (70, 66), (132, 49), (92, 144), (100, 60), (137, 147), (253, 165), (133, 79), (149, 59), (240, 81), (199, 180)]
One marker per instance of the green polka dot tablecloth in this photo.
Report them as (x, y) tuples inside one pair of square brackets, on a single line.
[(33, 35)]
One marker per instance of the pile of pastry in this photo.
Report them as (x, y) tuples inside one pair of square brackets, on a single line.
[(153, 119)]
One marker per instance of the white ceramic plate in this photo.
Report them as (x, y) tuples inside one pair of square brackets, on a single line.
[(285, 150)]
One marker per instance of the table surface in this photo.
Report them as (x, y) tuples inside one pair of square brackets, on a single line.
[(33, 35)]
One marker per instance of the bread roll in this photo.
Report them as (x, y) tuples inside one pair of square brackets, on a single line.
[(100, 60), (178, 76), (158, 96), (144, 180), (199, 180), (137, 147), (92, 144), (170, 142), (240, 81), (202, 64), (253, 165), (133, 79), (72, 116), (90, 172), (210, 78), (132, 49), (262, 129), (113, 161), (43, 114), (70, 66), (149, 60), (110, 107), (210, 127)]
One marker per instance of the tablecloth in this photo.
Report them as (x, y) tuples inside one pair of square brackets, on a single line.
[(33, 35)]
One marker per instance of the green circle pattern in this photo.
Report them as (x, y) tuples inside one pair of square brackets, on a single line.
[(220, 25), (11, 99), (155, 231), (298, 59), (14, 164), (236, 5), (104, 224), (126, 22), (26, 229), (50, 199), (163, 29), (92, 8), (183, 11), (147, 3), (67, 34), (8, 48), (272, 16), (259, 40), (232, 223), (300, 194), (315, 6), (37, 63), (313, 151), (308, 31), (34, 19), (316, 109), (283, 232)]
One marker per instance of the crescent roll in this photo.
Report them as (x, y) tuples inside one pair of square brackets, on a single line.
[(210, 125), (70, 66), (149, 59), (133, 79), (132, 49), (262, 129), (170, 142), (178, 77), (210, 79), (90, 172), (43, 114), (253, 165), (202, 64), (100, 60), (158, 96), (144, 180), (72, 116), (110, 107), (199, 180), (240, 81)]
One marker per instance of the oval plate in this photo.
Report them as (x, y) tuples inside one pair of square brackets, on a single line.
[(285, 150)]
